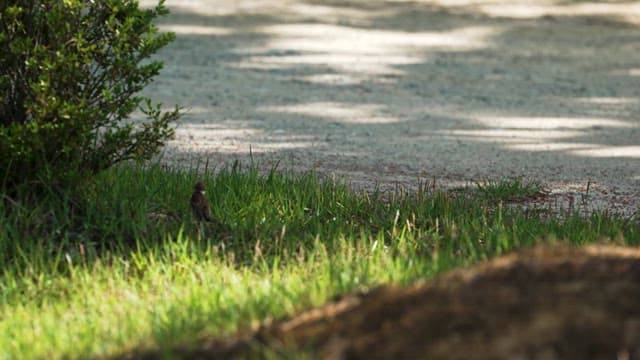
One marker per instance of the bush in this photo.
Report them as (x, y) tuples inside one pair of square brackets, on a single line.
[(69, 74)]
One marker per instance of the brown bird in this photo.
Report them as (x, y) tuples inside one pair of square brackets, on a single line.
[(199, 203)]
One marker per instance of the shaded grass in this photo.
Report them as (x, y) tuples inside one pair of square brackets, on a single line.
[(120, 264)]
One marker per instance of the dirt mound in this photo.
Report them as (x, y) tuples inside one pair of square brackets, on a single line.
[(542, 303)]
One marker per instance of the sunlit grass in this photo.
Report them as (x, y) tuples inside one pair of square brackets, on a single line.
[(120, 264)]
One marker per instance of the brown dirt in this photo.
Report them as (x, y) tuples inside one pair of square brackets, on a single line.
[(541, 303)]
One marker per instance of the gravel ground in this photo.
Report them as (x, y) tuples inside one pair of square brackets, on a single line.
[(395, 92)]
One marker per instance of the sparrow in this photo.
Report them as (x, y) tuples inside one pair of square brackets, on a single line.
[(199, 203)]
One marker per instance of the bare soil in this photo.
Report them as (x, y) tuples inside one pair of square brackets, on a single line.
[(397, 92), (557, 303)]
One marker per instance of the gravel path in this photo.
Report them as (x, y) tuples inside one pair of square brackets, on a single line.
[(400, 92)]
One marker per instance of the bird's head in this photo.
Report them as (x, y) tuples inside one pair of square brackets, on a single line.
[(199, 187)]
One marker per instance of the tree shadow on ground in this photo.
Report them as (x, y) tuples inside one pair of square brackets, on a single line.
[(397, 91)]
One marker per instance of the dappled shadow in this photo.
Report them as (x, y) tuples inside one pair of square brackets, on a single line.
[(401, 90)]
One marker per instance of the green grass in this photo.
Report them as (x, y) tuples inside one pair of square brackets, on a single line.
[(119, 264), (514, 189)]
